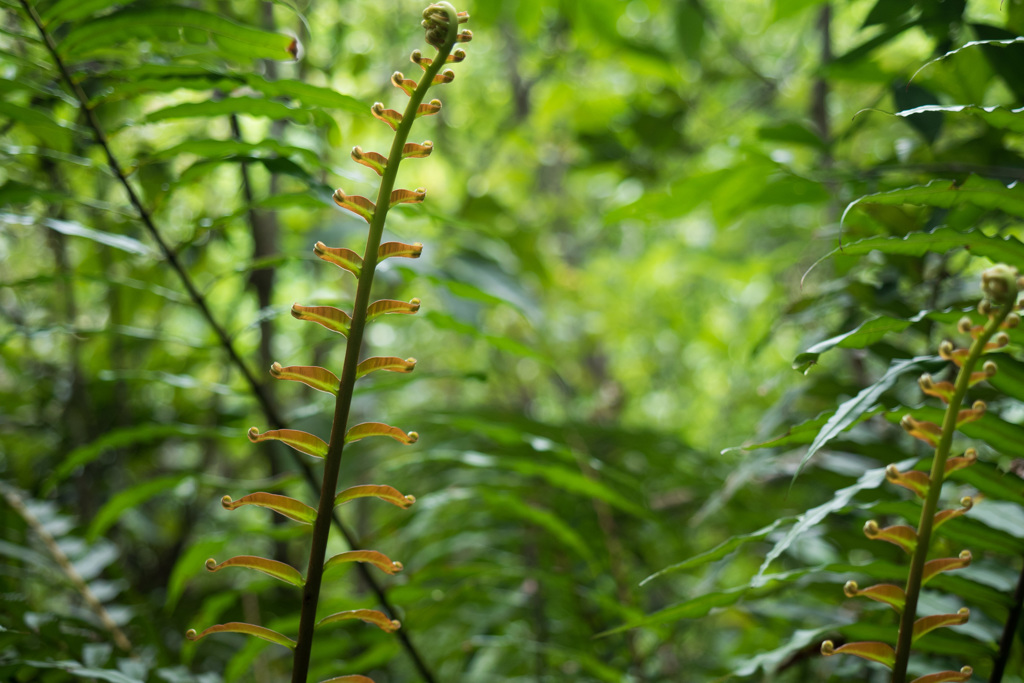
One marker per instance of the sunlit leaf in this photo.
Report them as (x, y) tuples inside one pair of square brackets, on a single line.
[(248, 629), (865, 335), (318, 378), (925, 625), (361, 431), (341, 257), (392, 249), (383, 492), (72, 229), (390, 363), (127, 499), (283, 505), (278, 570), (388, 306), (377, 559), (370, 616), (303, 442), (334, 319), (875, 652)]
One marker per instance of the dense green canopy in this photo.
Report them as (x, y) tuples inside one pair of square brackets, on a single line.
[(673, 253)]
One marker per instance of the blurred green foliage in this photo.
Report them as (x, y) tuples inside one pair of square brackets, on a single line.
[(624, 197)]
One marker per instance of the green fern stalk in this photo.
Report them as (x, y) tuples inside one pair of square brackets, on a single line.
[(441, 21), (1000, 286)]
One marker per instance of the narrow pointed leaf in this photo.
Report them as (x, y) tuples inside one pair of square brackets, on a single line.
[(393, 249), (872, 651), (303, 442), (319, 378), (248, 629), (278, 570), (388, 116), (863, 336), (370, 616), (361, 431), (377, 559), (412, 150), (928, 624), (943, 516), (388, 306), (360, 206), (282, 505), (341, 257), (383, 492), (960, 462), (389, 363), (945, 564), (960, 676), (407, 196), (899, 535), (378, 162), (995, 116), (334, 319)]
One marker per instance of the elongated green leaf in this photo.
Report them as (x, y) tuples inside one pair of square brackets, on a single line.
[(997, 117), (142, 22), (128, 244), (721, 550), (1003, 436), (377, 559), (383, 492), (41, 125), (247, 629), (553, 524), (847, 413), (283, 505), (250, 106), (967, 46), (273, 568), (64, 11), (390, 363), (865, 335), (128, 499), (984, 193), (871, 479), (806, 432), (370, 616), (1008, 250), (365, 429), (207, 148)]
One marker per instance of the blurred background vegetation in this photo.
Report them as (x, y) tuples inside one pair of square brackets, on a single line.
[(623, 198)]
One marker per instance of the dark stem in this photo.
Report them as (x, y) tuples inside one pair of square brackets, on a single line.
[(343, 404), (1009, 631), (272, 415)]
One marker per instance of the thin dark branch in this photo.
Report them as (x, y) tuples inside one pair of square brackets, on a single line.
[(1009, 632)]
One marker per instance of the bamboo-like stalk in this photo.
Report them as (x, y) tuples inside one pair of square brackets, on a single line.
[(343, 403), (937, 474)]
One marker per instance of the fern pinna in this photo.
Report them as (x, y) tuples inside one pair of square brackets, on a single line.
[(1000, 285), (441, 22)]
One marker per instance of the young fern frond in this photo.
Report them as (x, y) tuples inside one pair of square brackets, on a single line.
[(441, 22), (1000, 285)]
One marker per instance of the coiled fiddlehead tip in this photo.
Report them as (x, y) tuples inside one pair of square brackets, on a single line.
[(397, 566), (1012, 321), (871, 528), (253, 434), (211, 565), (999, 283), (967, 502), (946, 350), (828, 648), (191, 634), (850, 589), (411, 498), (966, 556), (964, 325), (990, 368), (225, 503), (275, 369), (413, 437), (979, 407)]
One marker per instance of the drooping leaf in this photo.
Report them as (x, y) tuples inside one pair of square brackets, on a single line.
[(365, 429), (872, 651), (886, 593), (247, 629), (966, 46), (341, 257), (383, 492), (370, 616), (1011, 120), (273, 568), (283, 505), (250, 106), (318, 378), (984, 193), (390, 363), (960, 676), (377, 559), (935, 567), (865, 335), (303, 442), (42, 125), (393, 249), (848, 413)]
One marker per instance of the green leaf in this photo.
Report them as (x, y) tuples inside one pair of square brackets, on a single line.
[(967, 46), (48, 130), (141, 23), (128, 244), (997, 117), (865, 335), (250, 106), (1008, 250), (545, 519), (128, 499), (247, 629), (273, 568), (985, 193)]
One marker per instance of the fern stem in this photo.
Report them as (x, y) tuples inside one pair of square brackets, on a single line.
[(342, 406), (266, 407), (931, 503)]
